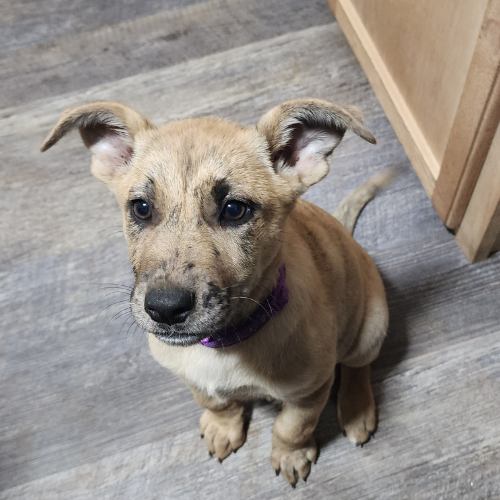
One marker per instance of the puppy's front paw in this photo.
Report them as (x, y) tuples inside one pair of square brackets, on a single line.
[(294, 463), (223, 434)]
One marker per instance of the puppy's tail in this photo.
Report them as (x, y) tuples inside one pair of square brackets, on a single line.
[(351, 206)]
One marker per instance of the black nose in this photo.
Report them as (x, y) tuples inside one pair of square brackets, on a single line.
[(170, 306)]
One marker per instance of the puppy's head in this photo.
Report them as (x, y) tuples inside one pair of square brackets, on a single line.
[(204, 201)]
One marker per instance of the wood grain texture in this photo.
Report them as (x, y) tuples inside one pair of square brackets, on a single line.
[(387, 90), (435, 68), (29, 22), (427, 48), (480, 226), (496, 245), (85, 412), (475, 123)]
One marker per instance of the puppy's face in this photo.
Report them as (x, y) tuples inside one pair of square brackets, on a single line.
[(203, 203), (202, 209)]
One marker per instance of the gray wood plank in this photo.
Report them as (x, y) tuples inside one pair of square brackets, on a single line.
[(147, 43), (29, 22), (447, 449)]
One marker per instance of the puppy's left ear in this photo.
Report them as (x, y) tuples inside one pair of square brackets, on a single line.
[(302, 134)]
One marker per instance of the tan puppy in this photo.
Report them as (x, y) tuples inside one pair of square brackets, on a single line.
[(216, 235)]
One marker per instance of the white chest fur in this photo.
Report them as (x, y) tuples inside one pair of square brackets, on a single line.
[(217, 372)]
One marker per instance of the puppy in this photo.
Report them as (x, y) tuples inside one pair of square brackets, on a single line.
[(245, 290)]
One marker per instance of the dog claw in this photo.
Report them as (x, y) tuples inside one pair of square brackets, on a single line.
[(210, 454), (220, 460), (202, 436), (277, 472), (293, 485)]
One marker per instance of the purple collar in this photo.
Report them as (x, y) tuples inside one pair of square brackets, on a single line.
[(272, 305)]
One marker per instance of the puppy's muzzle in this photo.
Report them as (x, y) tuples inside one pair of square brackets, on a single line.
[(169, 306)]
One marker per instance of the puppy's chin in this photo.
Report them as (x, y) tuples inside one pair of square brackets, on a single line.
[(180, 335), (178, 339)]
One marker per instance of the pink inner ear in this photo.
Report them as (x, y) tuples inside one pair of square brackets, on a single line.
[(111, 154), (312, 147)]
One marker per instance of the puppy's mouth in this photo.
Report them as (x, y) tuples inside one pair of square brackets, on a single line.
[(173, 338), (189, 333), (179, 317)]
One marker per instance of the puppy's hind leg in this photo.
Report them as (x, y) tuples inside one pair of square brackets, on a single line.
[(356, 409), (357, 412), (222, 425)]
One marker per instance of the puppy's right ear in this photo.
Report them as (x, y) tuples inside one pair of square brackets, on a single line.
[(108, 129)]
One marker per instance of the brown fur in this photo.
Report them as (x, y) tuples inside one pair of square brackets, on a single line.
[(337, 311)]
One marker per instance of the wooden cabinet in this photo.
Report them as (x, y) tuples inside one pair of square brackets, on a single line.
[(434, 66)]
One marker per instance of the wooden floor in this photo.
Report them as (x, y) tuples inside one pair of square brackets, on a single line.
[(85, 412)]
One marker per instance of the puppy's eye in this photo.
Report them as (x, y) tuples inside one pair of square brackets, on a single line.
[(234, 211), (141, 209)]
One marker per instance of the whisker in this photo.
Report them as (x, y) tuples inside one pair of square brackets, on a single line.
[(235, 329), (121, 287), (109, 227), (137, 328), (101, 239), (111, 285), (123, 324), (260, 305), (261, 286), (110, 305), (118, 292), (118, 315), (131, 325)]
